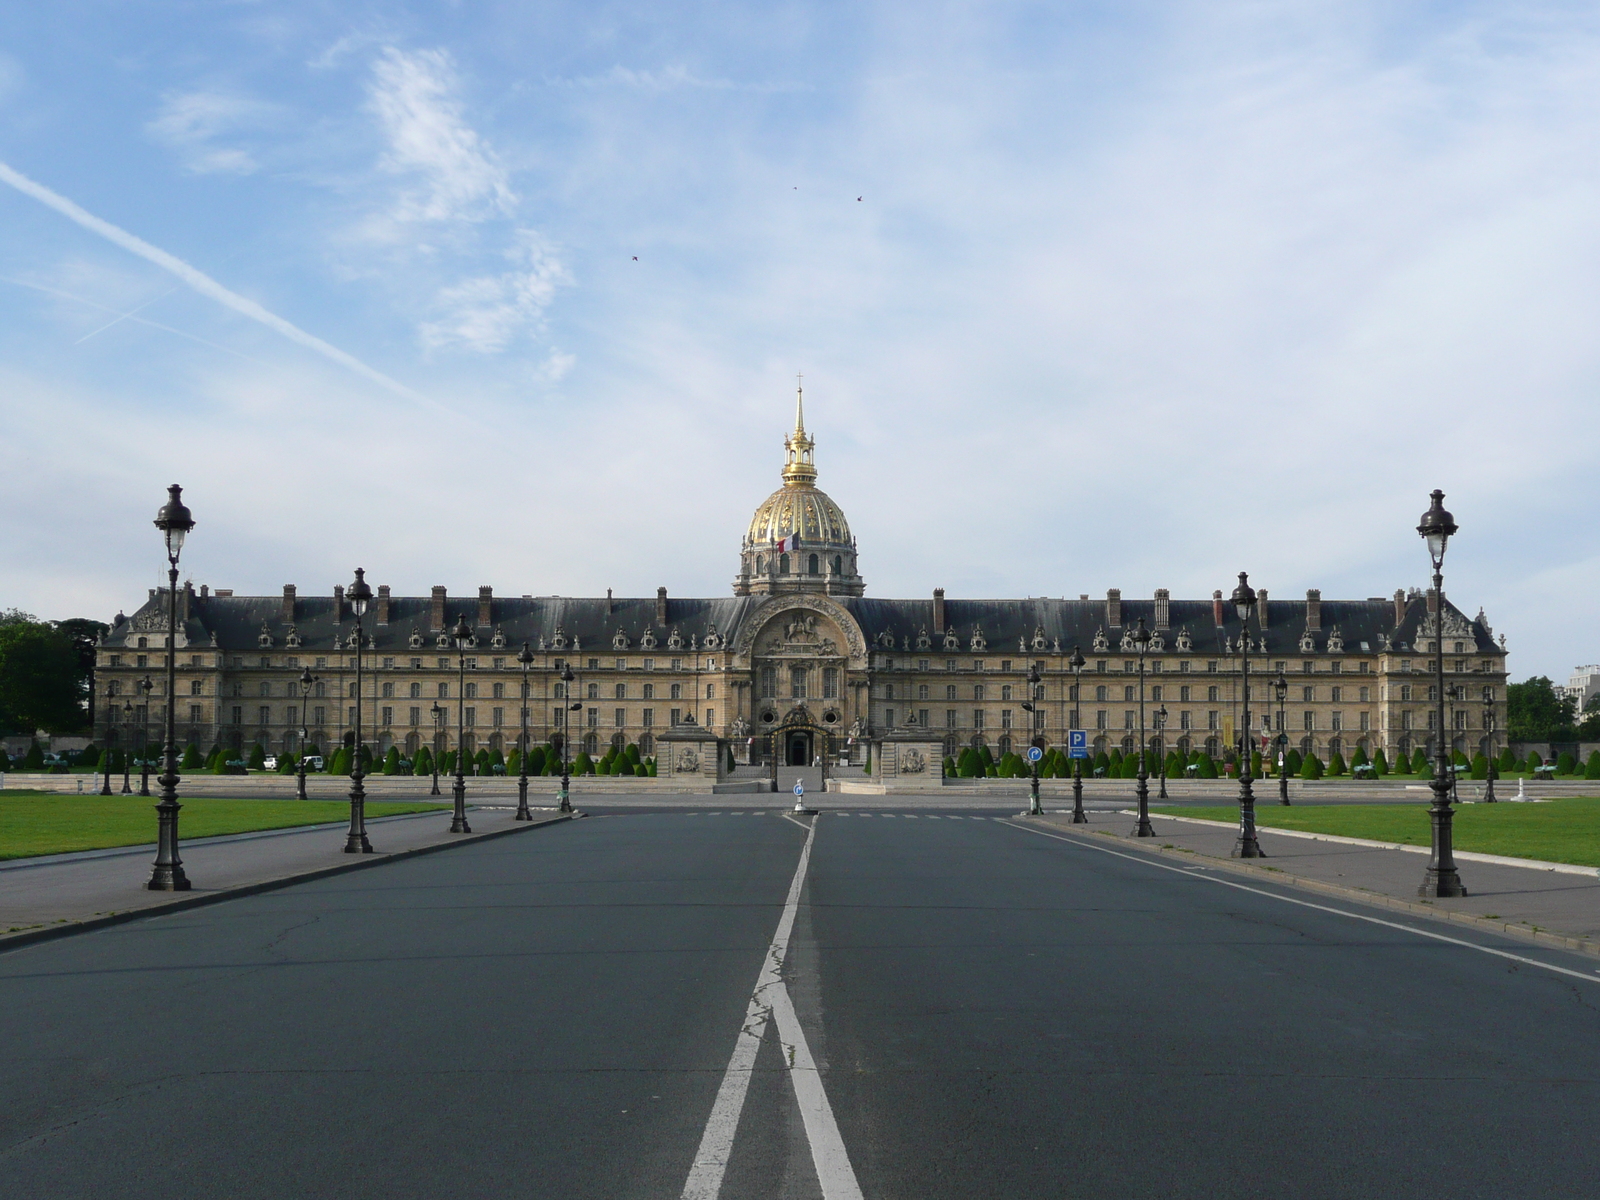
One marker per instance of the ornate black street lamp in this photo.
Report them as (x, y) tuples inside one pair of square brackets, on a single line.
[(105, 755), (568, 706), (1161, 749), (462, 634), (127, 757), (175, 522), (1280, 688), (1076, 663), (1441, 877), (1488, 723), (1141, 639), (438, 744), (359, 595), (1034, 809), (306, 680), (525, 657), (1244, 603), (146, 686)]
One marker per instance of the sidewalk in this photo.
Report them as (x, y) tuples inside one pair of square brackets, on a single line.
[(52, 894), (1537, 903)]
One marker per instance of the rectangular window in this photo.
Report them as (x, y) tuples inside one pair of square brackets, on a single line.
[(711, 717), (1005, 718), (949, 664), (1155, 666), (977, 691), (1129, 667), (559, 691), (1127, 694), (414, 717), (1405, 691), (499, 691), (922, 691), (472, 718), (1100, 665), (619, 717), (1005, 664), (498, 716), (143, 660), (1365, 721), (1405, 720), (238, 714), (1336, 721), (797, 683), (1211, 719), (1183, 694), (977, 664), (1309, 694), (950, 691), (950, 718), (621, 691), (1183, 720), (593, 715), (675, 715), (388, 690), (830, 683), (416, 691), (1336, 667), (444, 691), (1310, 720), (1155, 694), (1100, 719), (922, 718), (320, 715), (677, 691), (388, 717), (470, 692), (1405, 665), (1183, 667), (1212, 694), (977, 718), (291, 714), (649, 664), (888, 717), (416, 664), (1336, 694), (1127, 719), (649, 691), (1211, 667), (769, 682), (351, 719), (648, 718), (622, 664), (677, 664)]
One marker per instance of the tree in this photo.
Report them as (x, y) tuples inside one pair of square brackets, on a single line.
[(1565, 763), (191, 760), (583, 764), (1480, 767), (422, 761), (536, 760), (42, 680), (117, 763), (968, 766), (480, 763), (1420, 766), (1359, 758), (1380, 762), (865, 770), (1292, 761), (949, 767), (1536, 714), (1591, 770), (258, 757), (391, 761), (1311, 767), (1507, 761), (1534, 762), (1174, 765), (1205, 766), (1336, 763)]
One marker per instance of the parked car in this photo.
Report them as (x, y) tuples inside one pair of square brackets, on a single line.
[(269, 763), (313, 762)]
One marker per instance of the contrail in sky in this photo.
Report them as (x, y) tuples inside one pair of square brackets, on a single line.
[(200, 281)]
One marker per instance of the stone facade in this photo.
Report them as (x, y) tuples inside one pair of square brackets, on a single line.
[(800, 662)]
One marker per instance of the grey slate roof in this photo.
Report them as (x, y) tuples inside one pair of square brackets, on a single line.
[(236, 622)]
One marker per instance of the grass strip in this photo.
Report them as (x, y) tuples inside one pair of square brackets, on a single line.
[(50, 823), (1565, 830)]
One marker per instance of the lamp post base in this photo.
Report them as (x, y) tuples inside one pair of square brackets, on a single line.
[(1441, 884), (167, 874), (1247, 846), (1144, 828), (1441, 879), (1078, 815), (1035, 809), (524, 813), (458, 819)]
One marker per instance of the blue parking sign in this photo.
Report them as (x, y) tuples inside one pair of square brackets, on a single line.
[(1077, 743)]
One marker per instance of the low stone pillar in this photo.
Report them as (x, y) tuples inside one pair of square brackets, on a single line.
[(689, 754), (908, 760)]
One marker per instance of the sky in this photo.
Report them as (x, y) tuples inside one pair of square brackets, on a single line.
[(1085, 295)]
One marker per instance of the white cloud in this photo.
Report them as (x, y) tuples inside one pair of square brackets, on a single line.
[(670, 77), (487, 313), (413, 97), (192, 123)]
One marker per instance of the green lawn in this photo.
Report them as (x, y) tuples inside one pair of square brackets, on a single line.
[(1566, 830), (50, 823)]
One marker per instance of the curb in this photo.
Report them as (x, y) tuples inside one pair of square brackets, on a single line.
[(50, 933), (1376, 899), (1497, 860)]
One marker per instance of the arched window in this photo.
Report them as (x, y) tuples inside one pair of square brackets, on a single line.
[(1100, 694), (416, 691), (816, 566), (647, 745), (783, 564), (761, 564), (838, 565)]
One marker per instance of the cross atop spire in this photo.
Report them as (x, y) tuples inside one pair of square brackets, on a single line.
[(799, 404)]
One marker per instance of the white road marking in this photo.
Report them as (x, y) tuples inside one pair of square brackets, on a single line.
[(1194, 873), (771, 998)]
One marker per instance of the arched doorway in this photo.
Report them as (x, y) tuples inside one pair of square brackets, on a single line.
[(797, 748), (798, 741)]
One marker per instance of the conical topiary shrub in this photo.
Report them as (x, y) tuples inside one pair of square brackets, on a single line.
[(1380, 762), (1566, 764), (1205, 766), (391, 761), (1420, 765), (1480, 767), (1359, 758), (1336, 763), (1292, 761)]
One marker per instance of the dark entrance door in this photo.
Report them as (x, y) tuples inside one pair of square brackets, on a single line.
[(799, 750)]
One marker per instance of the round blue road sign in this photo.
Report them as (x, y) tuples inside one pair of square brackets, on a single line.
[(1035, 754), (799, 788)]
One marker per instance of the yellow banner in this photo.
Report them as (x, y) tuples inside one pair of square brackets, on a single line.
[(1227, 730)]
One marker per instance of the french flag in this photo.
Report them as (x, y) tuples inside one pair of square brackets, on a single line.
[(786, 544)]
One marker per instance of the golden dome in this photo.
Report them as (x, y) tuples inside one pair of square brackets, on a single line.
[(799, 508)]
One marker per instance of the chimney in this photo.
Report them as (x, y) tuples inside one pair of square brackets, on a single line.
[(1163, 608), (1216, 609), (188, 601), (1261, 607), (287, 615), (436, 618), (485, 607), (610, 606), (1433, 603), (1399, 606), (205, 592), (383, 604), (1313, 609), (938, 611), (338, 602), (661, 606), (1114, 608)]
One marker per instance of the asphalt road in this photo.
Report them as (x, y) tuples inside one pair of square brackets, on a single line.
[(995, 1013)]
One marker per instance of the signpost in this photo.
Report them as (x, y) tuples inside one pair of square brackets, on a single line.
[(1077, 743), (1034, 754), (800, 798)]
